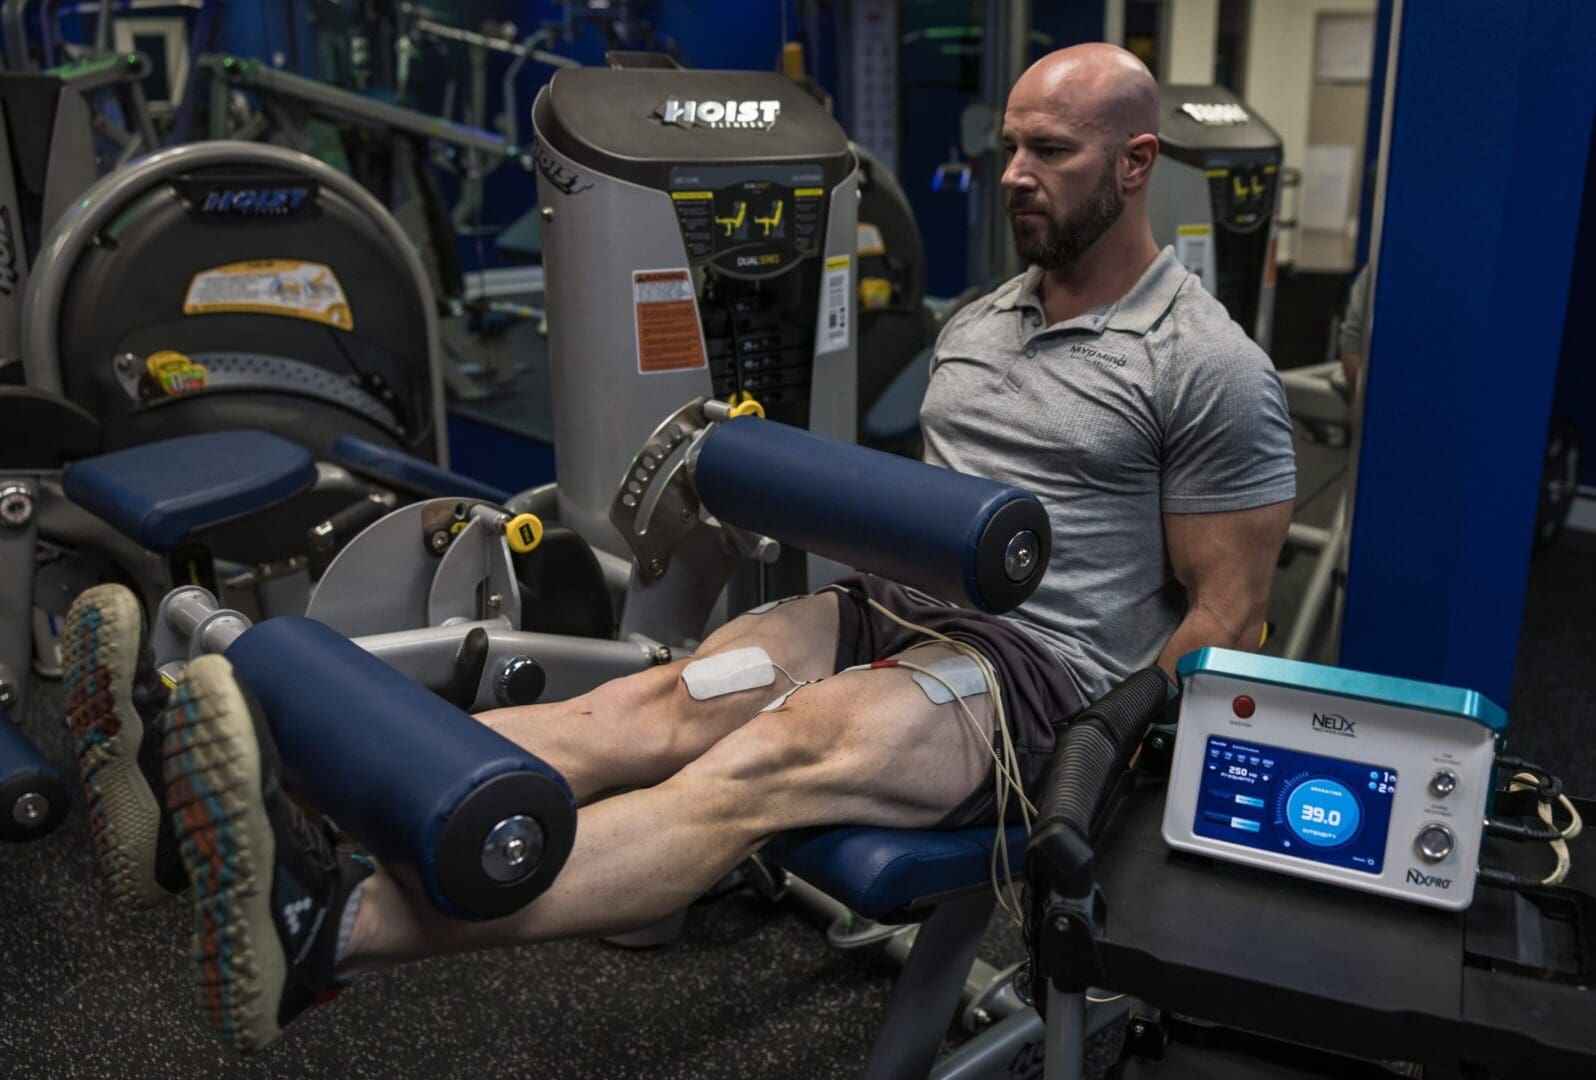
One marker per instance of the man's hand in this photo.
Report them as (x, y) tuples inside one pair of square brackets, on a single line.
[(1226, 561)]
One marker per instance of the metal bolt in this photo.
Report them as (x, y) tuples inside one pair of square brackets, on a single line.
[(547, 214), (1062, 924), (982, 1017), (1158, 742), (512, 849), (661, 654), (656, 566), (31, 809), (8, 694), (687, 515), (16, 506), (1021, 555), (438, 541), (1138, 1030)]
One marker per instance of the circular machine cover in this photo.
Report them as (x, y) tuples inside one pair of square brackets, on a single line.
[(314, 322)]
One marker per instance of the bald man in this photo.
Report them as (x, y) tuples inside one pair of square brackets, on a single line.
[(1104, 379)]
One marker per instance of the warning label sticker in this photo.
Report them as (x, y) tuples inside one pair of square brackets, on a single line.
[(669, 337), (287, 287), (1194, 248), (836, 305)]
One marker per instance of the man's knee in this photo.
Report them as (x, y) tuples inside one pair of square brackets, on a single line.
[(799, 634)]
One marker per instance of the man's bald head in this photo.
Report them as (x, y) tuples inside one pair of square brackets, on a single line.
[(1098, 86), (1081, 134)]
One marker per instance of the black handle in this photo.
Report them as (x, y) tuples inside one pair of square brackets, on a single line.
[(469, 664), (1092, 753), (329, 537)]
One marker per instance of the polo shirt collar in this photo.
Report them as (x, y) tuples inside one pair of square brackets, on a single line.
[(1020, 291), (1138, 311)]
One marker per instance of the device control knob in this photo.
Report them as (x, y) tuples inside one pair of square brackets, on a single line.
[(1443, 783), (1436, 842)]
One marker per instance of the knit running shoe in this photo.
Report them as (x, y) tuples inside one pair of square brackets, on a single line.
[(114, 700), (270, 889)]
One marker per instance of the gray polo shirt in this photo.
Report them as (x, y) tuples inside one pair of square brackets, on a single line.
[(1157, 404)]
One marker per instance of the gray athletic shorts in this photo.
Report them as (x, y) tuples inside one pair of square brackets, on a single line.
[(1038, 697)]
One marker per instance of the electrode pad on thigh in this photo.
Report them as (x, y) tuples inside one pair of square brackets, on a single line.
[(960, 672), (729, 672)]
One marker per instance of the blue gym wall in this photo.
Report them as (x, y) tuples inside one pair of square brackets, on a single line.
[(1490, 140), (1576, 376)]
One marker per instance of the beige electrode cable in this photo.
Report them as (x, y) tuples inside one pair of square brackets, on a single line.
[(1006, 770)]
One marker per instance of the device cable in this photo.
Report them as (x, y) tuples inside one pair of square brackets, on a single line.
[(1549, 789), (1006, 769)]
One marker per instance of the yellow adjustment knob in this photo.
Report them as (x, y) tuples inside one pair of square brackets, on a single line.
[(523, 533), (749, 407)]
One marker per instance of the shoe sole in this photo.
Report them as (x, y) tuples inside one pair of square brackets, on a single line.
[(100, 647), (211, 761)]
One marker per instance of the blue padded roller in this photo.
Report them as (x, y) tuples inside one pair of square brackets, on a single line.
[(418, 782), (33, 793), (945, 533), (162, 492), (411, 473), (879, 872)]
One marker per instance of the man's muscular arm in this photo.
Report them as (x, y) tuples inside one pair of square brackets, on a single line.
[(1226, 561)]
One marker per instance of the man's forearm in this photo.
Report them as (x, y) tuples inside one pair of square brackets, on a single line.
[(1202, 628)]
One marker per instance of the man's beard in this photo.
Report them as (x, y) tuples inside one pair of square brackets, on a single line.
[(1061, 241)]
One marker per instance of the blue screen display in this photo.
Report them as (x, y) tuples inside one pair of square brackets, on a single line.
[(1323, 809)]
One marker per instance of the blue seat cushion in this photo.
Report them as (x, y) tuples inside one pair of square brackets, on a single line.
[(161, 493), (878, 872), (411, 473)]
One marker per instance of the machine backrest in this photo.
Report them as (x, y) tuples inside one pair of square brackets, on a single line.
[(289, 285)]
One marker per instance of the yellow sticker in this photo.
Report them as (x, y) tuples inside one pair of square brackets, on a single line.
[(171, 683), (837, 262), (874, 293), (174, 373), (286, 287)]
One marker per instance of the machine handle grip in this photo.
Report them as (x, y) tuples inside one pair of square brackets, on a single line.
[(1092, 753), (960, 538)]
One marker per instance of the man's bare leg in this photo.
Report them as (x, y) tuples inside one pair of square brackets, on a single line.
[(864, 748), (638, 730)]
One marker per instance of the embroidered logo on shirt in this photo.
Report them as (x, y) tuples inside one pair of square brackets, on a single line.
[(1088, 352)]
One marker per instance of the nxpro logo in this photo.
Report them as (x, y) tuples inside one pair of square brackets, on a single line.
[(254, 202), (8, 254), (756, 115), (1334, 724), (1418, 877)]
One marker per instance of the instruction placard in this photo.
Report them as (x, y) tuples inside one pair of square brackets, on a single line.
[(287, 287), (1194, 249), (836, 305), (669, 337)]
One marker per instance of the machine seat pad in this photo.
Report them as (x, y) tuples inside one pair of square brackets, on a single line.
[(411, 473), (161, 493), (878, 871)]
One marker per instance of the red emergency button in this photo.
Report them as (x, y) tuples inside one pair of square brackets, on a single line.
[(1243, 707)]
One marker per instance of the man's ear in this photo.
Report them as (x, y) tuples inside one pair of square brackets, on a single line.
[(1136, 162)]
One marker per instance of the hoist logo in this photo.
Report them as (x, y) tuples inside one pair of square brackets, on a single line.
[(1222, 114), (1334, 724), (254, 202), (1417, 877), (8, 254), (751, 115)]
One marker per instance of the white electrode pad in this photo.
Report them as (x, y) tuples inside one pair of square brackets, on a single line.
[(728, 672), (959, 672)]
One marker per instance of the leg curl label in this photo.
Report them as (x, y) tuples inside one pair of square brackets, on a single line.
[(286, 287)]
